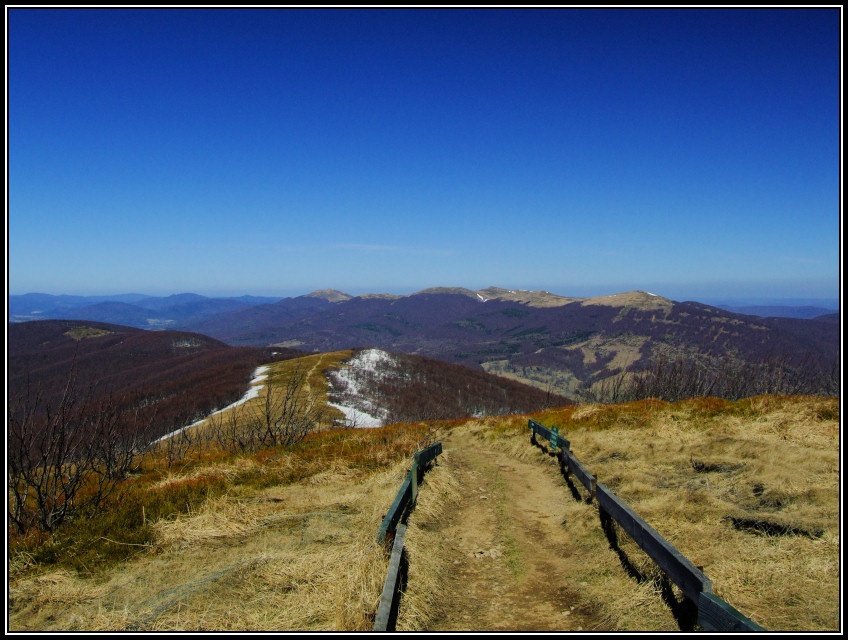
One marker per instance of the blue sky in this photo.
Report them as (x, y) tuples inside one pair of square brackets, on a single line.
[(692, 153)]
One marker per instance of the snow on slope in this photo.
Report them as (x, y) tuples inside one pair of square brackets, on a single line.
[(259, 375), (349, 387)]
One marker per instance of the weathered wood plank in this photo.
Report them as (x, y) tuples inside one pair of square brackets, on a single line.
[(430, 453), (395, 512), (714, 614), (413, 479), (387, 599), (583, 475), (407, 491), (677, 567)]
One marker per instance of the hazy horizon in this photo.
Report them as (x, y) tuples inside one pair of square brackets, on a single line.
[(824, 301)]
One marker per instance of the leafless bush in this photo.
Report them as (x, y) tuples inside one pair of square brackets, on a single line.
[(68, 456), (285, 415), (180, 445), (230, 434), (288, 415), (124, 440)]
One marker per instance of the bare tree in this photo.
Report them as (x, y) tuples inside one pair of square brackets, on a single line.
[(229, 432), (66, 457), (287, 413), (179, 445), (124, 439), (675, 379)]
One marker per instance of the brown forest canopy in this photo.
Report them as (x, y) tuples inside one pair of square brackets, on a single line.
[(186, 375)]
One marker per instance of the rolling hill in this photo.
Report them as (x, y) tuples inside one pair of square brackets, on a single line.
[(185, 375), (566, 344), (570, 345), (134, 310)]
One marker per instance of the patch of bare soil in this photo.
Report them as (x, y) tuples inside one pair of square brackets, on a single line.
[(509, 547)]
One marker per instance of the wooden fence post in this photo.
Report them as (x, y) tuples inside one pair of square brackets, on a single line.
[(413, 477)]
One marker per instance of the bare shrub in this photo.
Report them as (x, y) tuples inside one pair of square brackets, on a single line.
[(66, 457), (287, 415), (229, 433)]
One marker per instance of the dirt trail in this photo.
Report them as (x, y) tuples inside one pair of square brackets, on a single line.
[(509, 546)]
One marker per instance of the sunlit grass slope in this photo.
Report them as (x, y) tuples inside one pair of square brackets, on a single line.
[(748, 490), (283, 538), (278, 540)]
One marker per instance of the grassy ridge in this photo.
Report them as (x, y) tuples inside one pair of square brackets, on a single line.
[(282, 538)]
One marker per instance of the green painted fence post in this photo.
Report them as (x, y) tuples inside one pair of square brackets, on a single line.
[(554, 437)]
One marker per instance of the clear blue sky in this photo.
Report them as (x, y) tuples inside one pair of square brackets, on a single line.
[(691, 153)]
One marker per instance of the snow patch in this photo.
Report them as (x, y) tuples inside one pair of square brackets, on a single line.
[(357, 418), (259, 375), (351, 383)]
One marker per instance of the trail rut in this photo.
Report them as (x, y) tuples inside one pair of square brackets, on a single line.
[(509, 547)]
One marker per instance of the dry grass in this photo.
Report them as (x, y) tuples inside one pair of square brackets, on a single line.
[(691, 469), (298, 557), (290, 544), (424, 546)]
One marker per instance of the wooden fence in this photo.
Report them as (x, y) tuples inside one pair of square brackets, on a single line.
[(392, 530), (714, 614)]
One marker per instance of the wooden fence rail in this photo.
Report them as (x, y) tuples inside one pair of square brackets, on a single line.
[(566, 458), (391, 527), (714, 614), (408, 492), (387, 610)]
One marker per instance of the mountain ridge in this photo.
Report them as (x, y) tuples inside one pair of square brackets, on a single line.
[(567, 343), (536, 337)]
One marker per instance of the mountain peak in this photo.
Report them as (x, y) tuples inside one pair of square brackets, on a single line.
[(449, 290), (330, 295), (639, 299), (531, 298)]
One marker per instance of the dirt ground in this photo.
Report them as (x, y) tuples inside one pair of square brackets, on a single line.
[(509, 547)]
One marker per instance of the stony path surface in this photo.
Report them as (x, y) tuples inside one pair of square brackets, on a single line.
[(509, 547)]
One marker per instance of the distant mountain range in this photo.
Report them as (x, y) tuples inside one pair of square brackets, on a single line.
[(554, 342), (175, 311), (781, 311), (531, 336), (131, 309)]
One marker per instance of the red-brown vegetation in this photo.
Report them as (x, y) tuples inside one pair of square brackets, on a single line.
[(184, 376), (411, 388)]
